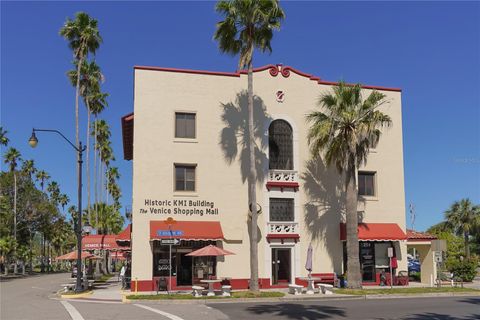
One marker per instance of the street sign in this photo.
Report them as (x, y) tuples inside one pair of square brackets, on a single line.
[(170, 241), (167, 233), (438, 256)]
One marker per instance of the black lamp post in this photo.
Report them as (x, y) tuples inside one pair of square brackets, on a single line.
[(33, 141)]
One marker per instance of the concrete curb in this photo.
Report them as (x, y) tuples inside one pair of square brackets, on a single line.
[(287, 299), (76, 296)]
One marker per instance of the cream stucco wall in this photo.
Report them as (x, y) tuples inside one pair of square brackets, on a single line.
[(318, 202)]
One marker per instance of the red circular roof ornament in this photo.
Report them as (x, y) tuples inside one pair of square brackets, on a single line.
[(280, 95), (170, 221)]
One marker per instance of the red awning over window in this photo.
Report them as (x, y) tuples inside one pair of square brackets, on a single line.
[(100, 242), (376, 232), (125, 235), (186, 230)]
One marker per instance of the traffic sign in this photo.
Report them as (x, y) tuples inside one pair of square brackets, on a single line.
[(170, 241)]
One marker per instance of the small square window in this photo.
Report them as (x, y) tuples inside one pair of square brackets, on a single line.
[(366, 183), (281, 209), (184, 177), (185, 125)]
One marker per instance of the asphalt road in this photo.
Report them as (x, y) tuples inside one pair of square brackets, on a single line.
[(33, 298)]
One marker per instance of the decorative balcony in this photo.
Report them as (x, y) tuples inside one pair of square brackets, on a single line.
[(282, 179), (282, 231)]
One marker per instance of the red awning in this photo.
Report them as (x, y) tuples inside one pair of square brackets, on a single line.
[(124, 237), (376, 232), (100, 242), (186, 230)]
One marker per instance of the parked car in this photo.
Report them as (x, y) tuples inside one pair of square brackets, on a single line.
[(413, 265)]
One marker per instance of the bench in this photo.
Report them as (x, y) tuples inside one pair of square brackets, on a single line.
[(325, 288), (226, 291), (330, 278), (295, 289), (197, 291)]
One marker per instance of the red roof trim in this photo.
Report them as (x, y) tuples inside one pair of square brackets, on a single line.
[(283, 236), (282, 185), (274, 71), (189, 230), (413, 235)]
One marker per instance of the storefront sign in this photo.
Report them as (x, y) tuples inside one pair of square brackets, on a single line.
[(179, 207)]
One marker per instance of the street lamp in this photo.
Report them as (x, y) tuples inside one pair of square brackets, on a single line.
[(33, 141)]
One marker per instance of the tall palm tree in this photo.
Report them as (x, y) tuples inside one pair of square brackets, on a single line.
[(54, 191), (3, 137), (42, 176), (84, 38), (248, 25), (112, 176), (463, 217), (102, 135), (343, 131), (28, 168), (12, 157), (90, 80), (63, 199)]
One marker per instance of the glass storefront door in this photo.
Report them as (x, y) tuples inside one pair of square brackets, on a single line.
[(281, 265), (367, 261), (184, 269)]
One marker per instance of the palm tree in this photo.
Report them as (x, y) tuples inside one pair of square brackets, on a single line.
[(102, 136), (12, 157), (28, 167), (3, 137), (42, 176), (91, 77), (343, 132), (84, 38), (248, 25), (63, 199), (54, 191), (463, 217)]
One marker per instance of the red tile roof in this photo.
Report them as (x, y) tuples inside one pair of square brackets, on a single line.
[(413, 235)]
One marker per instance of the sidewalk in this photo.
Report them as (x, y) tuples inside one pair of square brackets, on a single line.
[(111, 290)]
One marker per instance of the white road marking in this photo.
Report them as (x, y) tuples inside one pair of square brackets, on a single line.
[(74, 314), (165, 314)]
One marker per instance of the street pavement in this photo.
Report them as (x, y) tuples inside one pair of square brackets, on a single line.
[(34, 298)]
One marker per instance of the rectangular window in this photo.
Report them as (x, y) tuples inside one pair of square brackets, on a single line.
[(185, 125), (366, 183), (281, 209), (184, 177)]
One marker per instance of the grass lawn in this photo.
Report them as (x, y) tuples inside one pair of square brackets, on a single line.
[(104, 278), (235, 295), (402, 290)]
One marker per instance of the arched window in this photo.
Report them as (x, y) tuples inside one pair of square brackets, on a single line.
[(280, 141)]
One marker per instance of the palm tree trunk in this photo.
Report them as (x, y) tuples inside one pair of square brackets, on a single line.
[(95, 176), (353, 255), (15, 222), (88, 160), (252, 192), (467, 247)]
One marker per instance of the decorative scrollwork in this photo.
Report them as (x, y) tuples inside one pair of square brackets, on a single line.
[(286, 72), (273, 71)]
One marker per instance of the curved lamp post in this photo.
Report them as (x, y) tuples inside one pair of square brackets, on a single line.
[(33, 141)]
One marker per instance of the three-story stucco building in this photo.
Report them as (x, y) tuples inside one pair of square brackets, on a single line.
[(188, 137)]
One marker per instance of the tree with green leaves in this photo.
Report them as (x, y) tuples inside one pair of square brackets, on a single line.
[(63, 200), (12, 157), (42, 176), (463, 217), (249, 25), (28, 168), (83, 38), (342, 132), (3, 137)]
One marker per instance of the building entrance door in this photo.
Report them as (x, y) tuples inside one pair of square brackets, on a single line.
[(367, 261), (281, 265), (184, 269)]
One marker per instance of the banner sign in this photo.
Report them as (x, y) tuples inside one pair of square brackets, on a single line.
[(179, 207)]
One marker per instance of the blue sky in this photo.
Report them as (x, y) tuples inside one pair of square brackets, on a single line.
[(429, 49)]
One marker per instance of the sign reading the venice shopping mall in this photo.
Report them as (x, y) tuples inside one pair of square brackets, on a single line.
[(180, 207)]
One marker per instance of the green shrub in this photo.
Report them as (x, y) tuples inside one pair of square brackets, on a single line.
[(415, 276), (465, 269)]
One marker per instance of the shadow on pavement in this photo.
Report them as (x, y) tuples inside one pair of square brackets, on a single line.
[(472, 301), (298, 311), (438, 316)]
